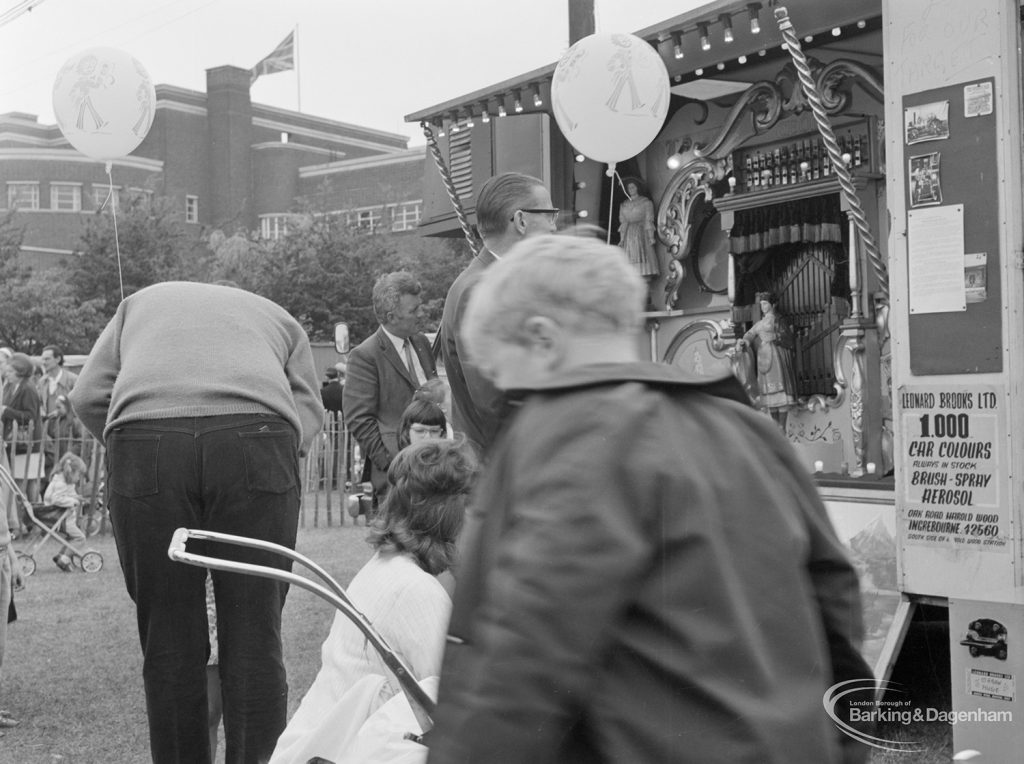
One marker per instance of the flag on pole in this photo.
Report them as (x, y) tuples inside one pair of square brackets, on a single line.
[(281, 59)]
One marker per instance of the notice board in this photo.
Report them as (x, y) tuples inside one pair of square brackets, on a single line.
[(949, 154)]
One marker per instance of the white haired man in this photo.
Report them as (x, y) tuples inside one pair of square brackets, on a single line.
[(647, 573)]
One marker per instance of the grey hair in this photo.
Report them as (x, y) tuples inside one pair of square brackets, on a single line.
[(388, 291)]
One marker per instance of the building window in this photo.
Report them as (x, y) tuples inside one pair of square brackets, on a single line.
[(406, 216), (106, 198), (65, 197), (191, 209), (23, 196), (367, 219), (273, 226), (143, 195)]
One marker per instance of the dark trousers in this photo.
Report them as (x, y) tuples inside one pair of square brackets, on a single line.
[(235, 474)]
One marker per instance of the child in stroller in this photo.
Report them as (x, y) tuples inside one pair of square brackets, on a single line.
[(61, 496)]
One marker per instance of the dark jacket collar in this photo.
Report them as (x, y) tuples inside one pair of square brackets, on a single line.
[(670, 378)]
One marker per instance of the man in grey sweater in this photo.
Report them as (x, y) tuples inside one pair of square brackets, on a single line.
[(205, 397)]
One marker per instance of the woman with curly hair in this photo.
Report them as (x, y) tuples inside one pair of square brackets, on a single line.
[(397, 590)]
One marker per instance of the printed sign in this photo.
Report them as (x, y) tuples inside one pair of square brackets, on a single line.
[(952, 466), (977, 99)]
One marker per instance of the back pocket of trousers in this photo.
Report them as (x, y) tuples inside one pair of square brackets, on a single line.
[(271, 460), (132, 464)]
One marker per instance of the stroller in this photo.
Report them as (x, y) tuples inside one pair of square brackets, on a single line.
[(88, 560), (412, 708)]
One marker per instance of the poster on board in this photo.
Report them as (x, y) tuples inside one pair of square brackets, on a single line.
[(953, 453), (978, 99), (951, 192), (976, 276), (935, 262), (925, 180), (926, 122)]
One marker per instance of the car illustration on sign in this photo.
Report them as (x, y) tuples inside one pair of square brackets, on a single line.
[(986, 637)]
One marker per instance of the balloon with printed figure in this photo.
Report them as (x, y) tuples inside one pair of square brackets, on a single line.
[(104, 102), (610, 94)]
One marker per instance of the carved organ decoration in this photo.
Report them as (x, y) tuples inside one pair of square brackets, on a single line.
[(758, 109), (831, 366)]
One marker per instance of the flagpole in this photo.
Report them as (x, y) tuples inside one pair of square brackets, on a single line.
[(298, 78)]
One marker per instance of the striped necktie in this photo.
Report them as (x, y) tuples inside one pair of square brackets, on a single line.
[(407, 347)]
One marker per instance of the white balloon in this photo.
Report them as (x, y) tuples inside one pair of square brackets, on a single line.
[(610, 94), (104, 101)]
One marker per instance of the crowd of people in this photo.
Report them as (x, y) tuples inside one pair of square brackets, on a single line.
[(553, 532), (39, 426), (37, 422)]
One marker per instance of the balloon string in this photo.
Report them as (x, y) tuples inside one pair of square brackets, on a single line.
[(113, 214), (614, 175), (610, 172), (621, 184)]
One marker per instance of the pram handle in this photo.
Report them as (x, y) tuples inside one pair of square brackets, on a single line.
[(421, 703)]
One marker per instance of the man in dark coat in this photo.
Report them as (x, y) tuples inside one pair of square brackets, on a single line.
[(509, 208), (647, 573), (333, 391), (384, 371)]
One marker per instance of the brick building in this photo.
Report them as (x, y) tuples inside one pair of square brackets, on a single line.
[(228, 164)]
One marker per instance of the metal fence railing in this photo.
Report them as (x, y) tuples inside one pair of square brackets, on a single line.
[(330, 472), (32, 458)]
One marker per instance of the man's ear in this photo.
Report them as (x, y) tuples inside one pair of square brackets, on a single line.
[(547, 339), (539, 330), (519, 222)]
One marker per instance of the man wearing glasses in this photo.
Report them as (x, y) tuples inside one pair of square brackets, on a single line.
[(510, 207)]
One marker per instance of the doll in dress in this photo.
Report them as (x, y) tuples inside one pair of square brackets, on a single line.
[(636, 231), (773, 344)]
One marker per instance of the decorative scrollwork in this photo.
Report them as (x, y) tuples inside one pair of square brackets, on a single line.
[(792, 94), (693, 181), (832, 81), (712, 333), (766, 103), (762, 101)]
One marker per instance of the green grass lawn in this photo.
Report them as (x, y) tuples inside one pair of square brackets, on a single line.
[(73, 668)]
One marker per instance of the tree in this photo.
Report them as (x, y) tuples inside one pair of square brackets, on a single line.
[(11, 237), (154, 247), (38, 309), (436, 262), (323, 272), (44, 310)]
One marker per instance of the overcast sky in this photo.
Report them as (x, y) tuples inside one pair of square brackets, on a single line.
[(367, 62)]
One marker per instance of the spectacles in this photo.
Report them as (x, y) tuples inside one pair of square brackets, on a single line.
[(552, 213)]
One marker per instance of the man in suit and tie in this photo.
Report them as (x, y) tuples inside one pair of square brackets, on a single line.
[(509, 208), (384, 371)]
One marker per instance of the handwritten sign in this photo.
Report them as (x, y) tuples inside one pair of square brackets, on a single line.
[(939, 42), (991, 684), (952, 457)]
